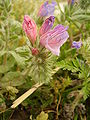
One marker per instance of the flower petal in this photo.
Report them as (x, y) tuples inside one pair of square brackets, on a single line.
[(54, 39), (47, 25), (54, 44), (76, 45)]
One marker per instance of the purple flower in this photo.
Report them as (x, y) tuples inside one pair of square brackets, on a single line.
[(47, 25), (54, 39), (47, 9), (71, 2), (50, 39), (76, 45)]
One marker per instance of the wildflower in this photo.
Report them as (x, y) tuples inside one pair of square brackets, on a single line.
[(46, 9), (71, 2), (50, 39), (29, 27), (76, 45), (54, 39), (35, 51), (47, 25)]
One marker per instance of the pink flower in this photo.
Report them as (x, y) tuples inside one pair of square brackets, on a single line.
[(29, 27), (54, 39), (50, 39), (47, 25)]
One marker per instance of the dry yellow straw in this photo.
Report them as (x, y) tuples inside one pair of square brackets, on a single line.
[(25, 95), (28, 93)]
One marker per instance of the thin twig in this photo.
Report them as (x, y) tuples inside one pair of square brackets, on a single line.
[(58, 105), (48, 111), (11, 115)]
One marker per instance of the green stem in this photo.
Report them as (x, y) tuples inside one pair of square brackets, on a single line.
[(6, 39), (60, 8), (75, 88), (5, 59), (5, 56), (57, 108)]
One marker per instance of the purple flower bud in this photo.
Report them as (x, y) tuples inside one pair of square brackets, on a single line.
[(47, 9), (54, 39), (76, 45), (47, 25)]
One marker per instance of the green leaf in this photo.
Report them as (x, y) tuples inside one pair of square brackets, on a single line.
[(67, 82), (7, 66), (76, 63), (20, 60), (3, 68), (2, 53), (81, 17), (68, 65), (42, 116), (81, 12), (2, 100), (10, 76), (15, 26), (76, 117), (11, 89), (23, 51), (86, 91), (2, 103), (12, 79)]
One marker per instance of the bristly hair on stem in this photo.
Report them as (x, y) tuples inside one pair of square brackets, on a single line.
[(41, 67)]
